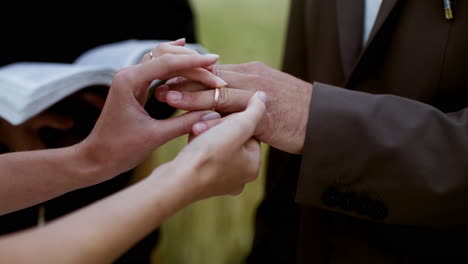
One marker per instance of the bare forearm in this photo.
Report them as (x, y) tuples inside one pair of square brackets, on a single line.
[(101, 232), (29, 178), (208, 166)]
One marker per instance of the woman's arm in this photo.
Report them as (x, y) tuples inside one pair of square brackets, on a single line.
[(123, 136), (101, 232), (30, 177), (218, 162)]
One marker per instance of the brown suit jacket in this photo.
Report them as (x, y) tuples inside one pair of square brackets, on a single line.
[(384, 173)]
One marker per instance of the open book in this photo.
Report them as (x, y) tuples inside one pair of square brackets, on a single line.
[(28, 88)]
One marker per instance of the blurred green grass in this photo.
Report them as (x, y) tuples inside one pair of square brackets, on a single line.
[(220, 230)]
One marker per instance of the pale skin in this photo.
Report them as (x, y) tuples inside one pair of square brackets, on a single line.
[(25, 189), (219, 162), (122, 137), (285, 123)]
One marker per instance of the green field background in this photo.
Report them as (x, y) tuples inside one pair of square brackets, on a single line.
[(220, 230)]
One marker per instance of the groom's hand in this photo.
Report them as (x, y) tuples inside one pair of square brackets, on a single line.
[(285, 122)]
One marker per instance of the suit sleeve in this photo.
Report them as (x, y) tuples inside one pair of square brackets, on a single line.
[(385, 158)]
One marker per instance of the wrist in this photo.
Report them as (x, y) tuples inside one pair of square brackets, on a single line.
[(89, 164), (178, 178), (304, 119)]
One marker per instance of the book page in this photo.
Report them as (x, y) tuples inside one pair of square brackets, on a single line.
[(16, 107), (27, 88), (123, 54), (30, 76)]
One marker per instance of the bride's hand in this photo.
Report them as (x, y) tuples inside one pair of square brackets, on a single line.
[(202, 74), (125, 134), (224, 158)]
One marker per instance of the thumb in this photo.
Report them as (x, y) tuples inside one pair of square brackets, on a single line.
[(237, 128), (256, 108), (177, 126), (246, 122)]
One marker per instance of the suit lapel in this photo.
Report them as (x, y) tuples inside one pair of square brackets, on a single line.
[(350, 15)]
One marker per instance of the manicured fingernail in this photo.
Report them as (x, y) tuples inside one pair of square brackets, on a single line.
[(174, 96), (219, 82), (262, 96), (211, 116), (200, 127), (212, 56)]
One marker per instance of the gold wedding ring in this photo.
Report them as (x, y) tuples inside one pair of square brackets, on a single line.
[(215, 101)]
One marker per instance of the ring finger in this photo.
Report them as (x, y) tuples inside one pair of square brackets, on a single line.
[(166, 48), (229, 100)]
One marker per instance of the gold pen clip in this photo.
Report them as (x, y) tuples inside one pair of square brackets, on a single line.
[(448, 9)]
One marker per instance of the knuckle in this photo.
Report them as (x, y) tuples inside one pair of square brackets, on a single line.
[(257, 64), (124, 77), (217, 71)]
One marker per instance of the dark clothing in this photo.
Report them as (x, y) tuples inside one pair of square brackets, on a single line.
[(384, 174), (60, 33)]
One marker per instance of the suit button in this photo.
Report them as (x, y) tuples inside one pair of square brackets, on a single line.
[(331, 197)]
